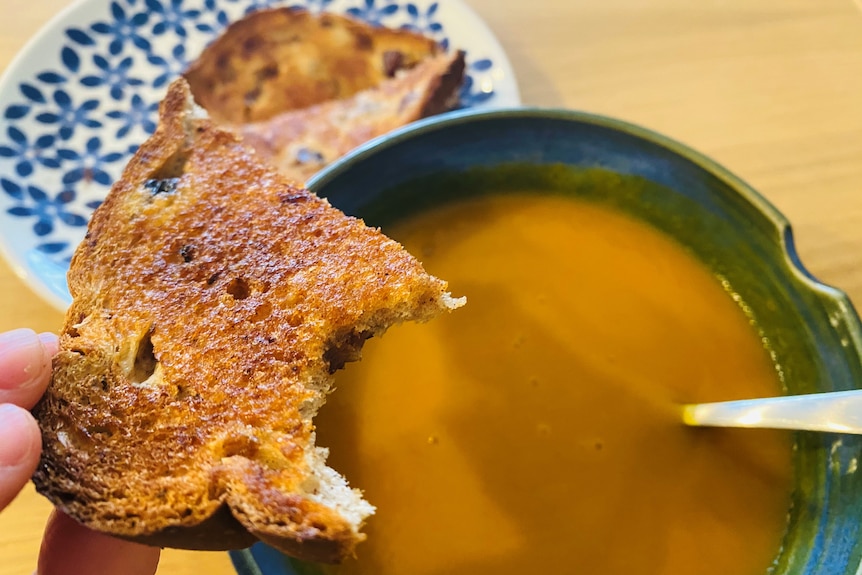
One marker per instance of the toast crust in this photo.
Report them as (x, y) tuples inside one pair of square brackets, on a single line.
[(212, 301), (283, 59)]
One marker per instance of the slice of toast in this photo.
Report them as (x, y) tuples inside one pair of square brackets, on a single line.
[(283, 59), (301, 142), (212, 302)]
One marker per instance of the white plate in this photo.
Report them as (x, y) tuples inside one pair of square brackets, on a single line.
[(84, 93)]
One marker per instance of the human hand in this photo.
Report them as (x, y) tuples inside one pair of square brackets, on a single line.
[(67, 547)]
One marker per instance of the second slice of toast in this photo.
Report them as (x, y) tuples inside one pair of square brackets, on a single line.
[(283, 59)]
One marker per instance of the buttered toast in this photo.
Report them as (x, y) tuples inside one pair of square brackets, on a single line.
[(282, 59), (301, 142), (212, 302)]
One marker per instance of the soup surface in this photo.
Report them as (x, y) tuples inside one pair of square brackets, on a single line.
[(537, 429)]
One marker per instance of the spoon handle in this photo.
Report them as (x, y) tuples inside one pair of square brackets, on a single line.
[(837, 412)]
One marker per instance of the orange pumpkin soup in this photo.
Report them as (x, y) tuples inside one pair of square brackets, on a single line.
[(537, 429)]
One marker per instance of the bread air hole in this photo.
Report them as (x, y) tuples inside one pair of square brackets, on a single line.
[(263, 311), (145, 360), (174, 167), (64, 497), (240, 445), (238, 288), (80, 320), (319, 526)]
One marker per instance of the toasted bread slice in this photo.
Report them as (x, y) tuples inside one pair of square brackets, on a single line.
[(212, 302), (301, 142), (283, 59)]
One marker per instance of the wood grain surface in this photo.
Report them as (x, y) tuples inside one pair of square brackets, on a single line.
[(772, 89)]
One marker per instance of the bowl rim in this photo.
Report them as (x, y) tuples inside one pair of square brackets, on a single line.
[(836, 300)]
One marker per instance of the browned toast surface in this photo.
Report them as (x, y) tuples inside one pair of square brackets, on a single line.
[(283, 59), (301, 142), (212, 301)]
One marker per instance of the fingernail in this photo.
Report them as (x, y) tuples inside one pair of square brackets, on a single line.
[(15, 445), (22, 358), (50, 342)]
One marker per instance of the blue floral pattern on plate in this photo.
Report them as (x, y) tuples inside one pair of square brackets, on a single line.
[(80, 99)]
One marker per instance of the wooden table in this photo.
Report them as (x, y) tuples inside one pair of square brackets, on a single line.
[(770, 88)]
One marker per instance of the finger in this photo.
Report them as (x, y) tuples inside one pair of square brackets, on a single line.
[(51, 343), (25, 365), (69, 548), (20, 445)]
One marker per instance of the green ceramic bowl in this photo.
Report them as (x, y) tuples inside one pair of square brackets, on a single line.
[(814, 330)]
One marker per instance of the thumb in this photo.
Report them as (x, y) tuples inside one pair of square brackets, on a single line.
[(20, 445)]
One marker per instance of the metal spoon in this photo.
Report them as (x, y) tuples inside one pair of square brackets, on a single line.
[(837, 412)]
